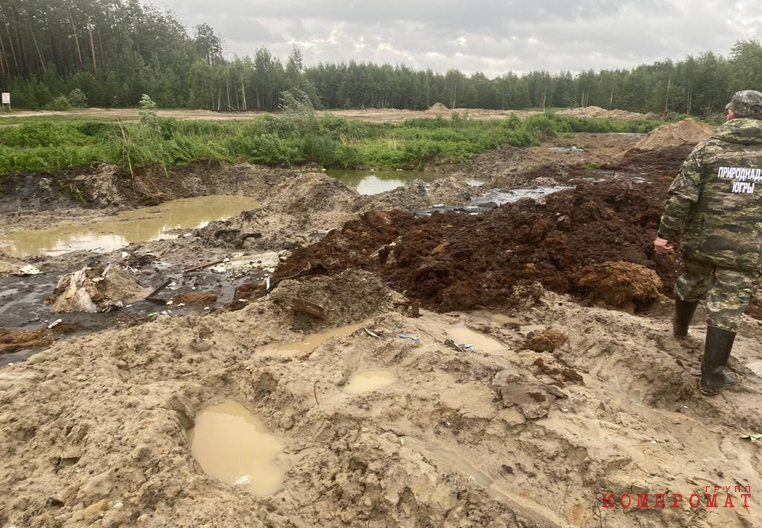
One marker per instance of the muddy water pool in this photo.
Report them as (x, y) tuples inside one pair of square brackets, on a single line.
[(368, 381), (308, 343), (480, 342), (375, 182), (233, 445), (138, 225)]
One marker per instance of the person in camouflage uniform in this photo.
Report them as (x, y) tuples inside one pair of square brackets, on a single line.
[(715, 196)]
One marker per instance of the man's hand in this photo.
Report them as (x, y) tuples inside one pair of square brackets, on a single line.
[(662, 246)]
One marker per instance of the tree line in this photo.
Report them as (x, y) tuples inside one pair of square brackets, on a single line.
[(57, 53)]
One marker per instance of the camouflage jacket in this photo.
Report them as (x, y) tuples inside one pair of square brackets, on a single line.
[(715, 195)]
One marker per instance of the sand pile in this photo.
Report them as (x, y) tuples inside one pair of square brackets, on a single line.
[(458, 262), (687, 131), (596, 112), (312, 192), (437, 108)]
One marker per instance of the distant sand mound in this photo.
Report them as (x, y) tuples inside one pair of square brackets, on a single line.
[(687, 131), (597, 112), (437, 108)]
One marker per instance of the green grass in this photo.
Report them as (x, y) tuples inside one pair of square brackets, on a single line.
[(51, 145)]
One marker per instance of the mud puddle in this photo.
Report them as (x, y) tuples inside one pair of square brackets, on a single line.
[(473, 340), (138, 225), (309, 343), (368, 381), (234, 446)]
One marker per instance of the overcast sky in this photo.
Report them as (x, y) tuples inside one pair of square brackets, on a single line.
[(491, 36)]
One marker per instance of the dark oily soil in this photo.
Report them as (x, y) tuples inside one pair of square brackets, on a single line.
[(457, 262)]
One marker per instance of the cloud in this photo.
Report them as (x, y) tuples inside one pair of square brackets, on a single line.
[(492, 36)]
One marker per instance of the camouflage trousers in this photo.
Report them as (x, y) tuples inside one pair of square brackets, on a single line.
[(727, 291)]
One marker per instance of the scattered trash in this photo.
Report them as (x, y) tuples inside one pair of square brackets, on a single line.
[(118, 505), (751, 437), (453, 344), (219, 268), (371, 334), (29, 270), (55, 323), (93, 290), (298, 305), (124, 256), (408, 336)]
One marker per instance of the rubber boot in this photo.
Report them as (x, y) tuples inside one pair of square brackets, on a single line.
[(684, 311), (714, 377)]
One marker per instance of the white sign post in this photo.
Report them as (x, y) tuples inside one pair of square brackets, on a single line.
[(7, 100)]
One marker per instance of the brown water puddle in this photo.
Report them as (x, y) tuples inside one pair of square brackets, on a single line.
[(505, 319), (138, 225), (369, 380), (234, 446), (481, 343), (309, 343)]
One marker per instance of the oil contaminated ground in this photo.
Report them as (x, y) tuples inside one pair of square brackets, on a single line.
[(441, 354)]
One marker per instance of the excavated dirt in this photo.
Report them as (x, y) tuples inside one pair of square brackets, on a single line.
[(12, 340), (515, 438), (459, 262), (580, 401)]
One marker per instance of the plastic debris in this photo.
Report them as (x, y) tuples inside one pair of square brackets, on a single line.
[(243, 481), (55, 323), (219, 268), (452, 344), (371, 334), (125, 254), (751, 437), (408, 336), (95, 290), (29, 270)]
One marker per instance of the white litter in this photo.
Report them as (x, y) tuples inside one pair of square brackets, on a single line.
[(29, 270)]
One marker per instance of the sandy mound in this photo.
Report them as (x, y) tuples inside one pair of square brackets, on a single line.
[(10, 265), (687, 131), (351, 296), (620, 285), (312, 192), (597, 112), (437, 108)]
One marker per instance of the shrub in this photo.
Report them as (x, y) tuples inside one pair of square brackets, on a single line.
[(60, 103)]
